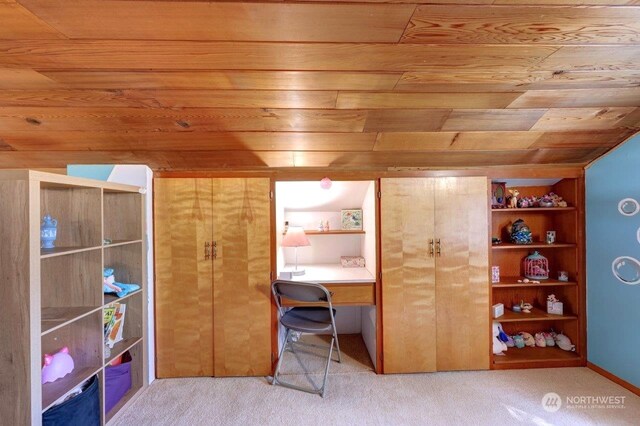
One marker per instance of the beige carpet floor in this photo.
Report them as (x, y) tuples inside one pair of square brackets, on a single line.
[(357, 396)]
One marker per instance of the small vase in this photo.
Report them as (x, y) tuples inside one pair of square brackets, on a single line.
[(48, 232)]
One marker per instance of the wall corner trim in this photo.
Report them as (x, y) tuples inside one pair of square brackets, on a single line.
[(614, 378)]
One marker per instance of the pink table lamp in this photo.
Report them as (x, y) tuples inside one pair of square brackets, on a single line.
[(295, 237)]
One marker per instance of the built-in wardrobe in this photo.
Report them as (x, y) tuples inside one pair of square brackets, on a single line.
[(213, 301), (435, 283), (213, 262)]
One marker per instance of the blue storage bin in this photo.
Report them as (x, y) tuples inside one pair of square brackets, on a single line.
[(81, 410)]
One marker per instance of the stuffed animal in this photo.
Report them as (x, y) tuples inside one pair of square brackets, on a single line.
[(548, 339), (528, 339), (518, 340), (498, 345), (564, 342), (109, 284), (57, 366), (510, 343), (540, 340)]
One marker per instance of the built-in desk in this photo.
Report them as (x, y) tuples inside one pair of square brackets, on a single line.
[(349, 286)]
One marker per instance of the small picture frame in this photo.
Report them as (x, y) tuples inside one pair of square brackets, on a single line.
[(498, 195), (351, 220)]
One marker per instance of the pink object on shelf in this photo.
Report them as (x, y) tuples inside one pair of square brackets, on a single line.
[(57, 366), (536, 266), (352, 261)]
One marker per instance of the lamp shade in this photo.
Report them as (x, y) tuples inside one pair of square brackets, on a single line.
[(295, 237)]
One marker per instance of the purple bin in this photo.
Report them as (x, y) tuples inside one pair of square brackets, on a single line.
[(117, 382)]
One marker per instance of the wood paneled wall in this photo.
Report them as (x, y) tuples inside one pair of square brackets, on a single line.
[(216, 85)]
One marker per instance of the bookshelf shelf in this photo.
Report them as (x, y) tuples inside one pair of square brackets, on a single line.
[(566, 254), (58, 297)]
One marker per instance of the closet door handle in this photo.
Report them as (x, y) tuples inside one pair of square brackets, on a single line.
[(431, 248), (207, 250), (215, 249), (438, 248)]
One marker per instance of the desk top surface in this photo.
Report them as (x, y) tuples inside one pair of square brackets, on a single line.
[(327, 273)]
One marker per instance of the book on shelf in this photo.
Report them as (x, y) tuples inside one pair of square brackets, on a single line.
[(114, 323)]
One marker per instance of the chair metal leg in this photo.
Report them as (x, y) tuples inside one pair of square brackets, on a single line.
[(284, 347), (326, 369), (320, 391), (335, 337)]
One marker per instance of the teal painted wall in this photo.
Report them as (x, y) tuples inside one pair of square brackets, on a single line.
[(613, 304), (98, 171)]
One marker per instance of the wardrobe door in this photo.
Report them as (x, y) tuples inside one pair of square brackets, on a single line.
[(242, 292), (462, 273), (408, 275), (184, 277)]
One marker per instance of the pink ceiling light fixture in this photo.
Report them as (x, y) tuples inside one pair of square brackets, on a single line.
[(325, 183)]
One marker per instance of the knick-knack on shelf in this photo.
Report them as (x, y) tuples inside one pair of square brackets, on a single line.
[(321, 227), (326, 226), (48, 232)]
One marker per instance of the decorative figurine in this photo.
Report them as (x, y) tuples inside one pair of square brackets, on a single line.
[(554, 306), (495, 274), (513, 200), (520, 233), (326, 226), (563, 276), (57, 366), (48, 232), (551, 237), (498, 195), (536, 266)]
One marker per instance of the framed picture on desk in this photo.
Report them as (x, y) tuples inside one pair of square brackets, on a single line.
[(352, 219)]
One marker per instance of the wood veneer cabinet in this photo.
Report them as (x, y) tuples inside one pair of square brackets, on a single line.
[(435, 290), (53, 298), (213, 300)]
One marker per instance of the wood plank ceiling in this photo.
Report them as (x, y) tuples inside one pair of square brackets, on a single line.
[(189, 85)]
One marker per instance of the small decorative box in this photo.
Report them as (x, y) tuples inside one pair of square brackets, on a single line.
[(554, 308), (495, 274), (498, 310), (352, 261)]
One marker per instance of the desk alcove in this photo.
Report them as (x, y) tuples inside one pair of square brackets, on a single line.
[(305, 204)]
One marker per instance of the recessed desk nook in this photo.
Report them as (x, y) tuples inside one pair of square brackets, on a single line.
[(327, 235)]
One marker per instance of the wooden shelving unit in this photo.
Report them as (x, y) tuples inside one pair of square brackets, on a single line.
[(536, 355), (534, 210), (535, 245), (536, 314), (566, 254), (54, 297)]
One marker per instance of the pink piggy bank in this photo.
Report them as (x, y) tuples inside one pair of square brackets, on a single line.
[(57, 366)]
